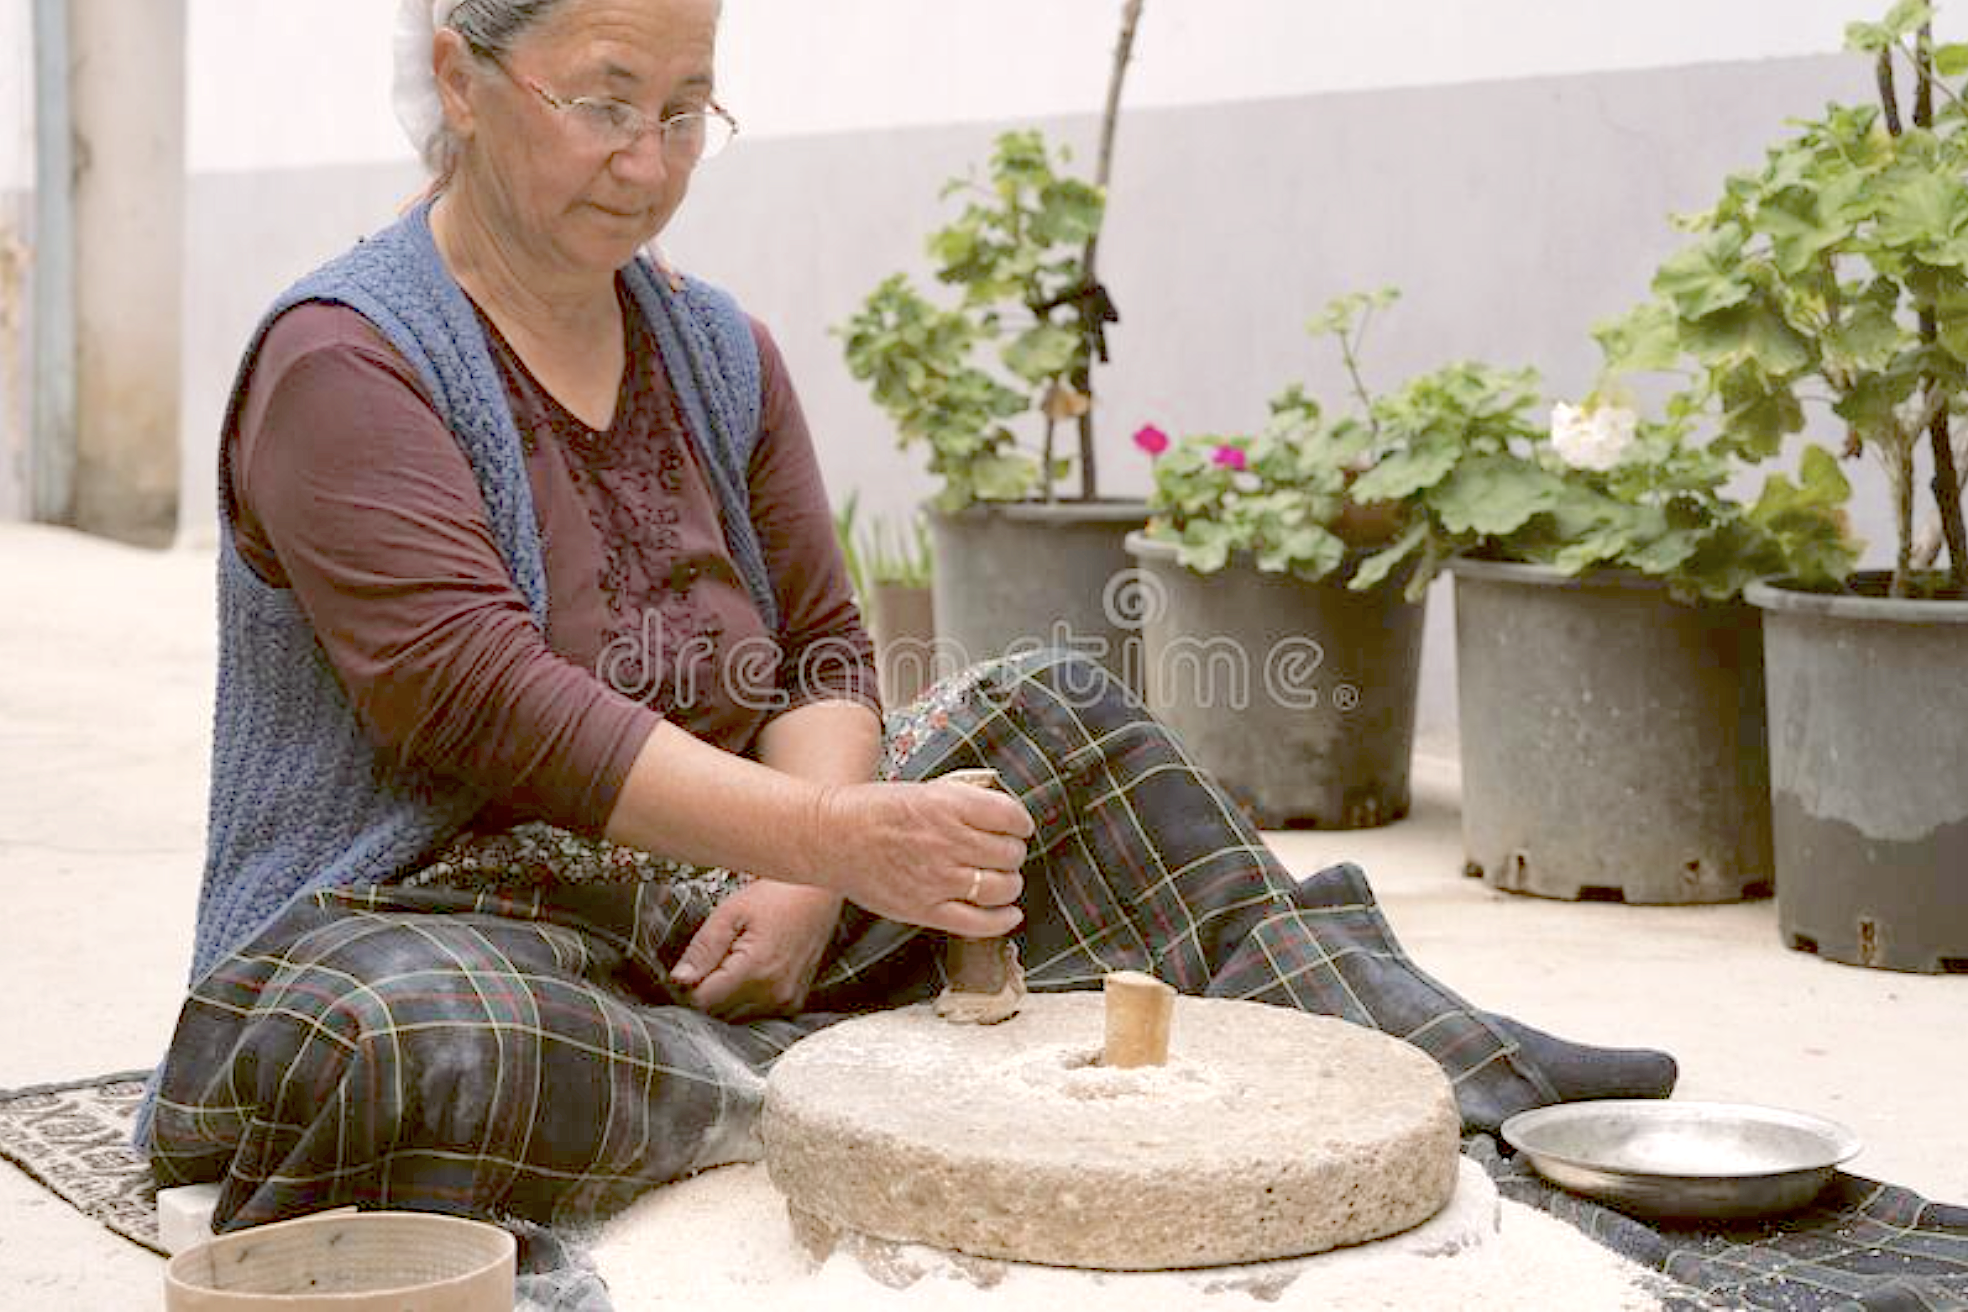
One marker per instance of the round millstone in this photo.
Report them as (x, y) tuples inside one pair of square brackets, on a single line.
[(1270, 1134)]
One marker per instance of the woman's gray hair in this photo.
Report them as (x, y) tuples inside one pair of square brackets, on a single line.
[(490, 27)]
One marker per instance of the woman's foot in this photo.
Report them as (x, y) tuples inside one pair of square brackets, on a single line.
[(1579, 1072)]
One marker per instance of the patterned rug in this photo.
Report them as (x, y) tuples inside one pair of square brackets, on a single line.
[(75, 1139)]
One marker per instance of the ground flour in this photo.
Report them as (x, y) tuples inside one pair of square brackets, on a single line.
[(722, 1241)]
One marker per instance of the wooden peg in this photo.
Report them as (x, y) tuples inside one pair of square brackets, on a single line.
[(1139, 1008)]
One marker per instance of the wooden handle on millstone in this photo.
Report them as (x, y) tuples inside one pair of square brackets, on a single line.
[(986, 983), (1138, 1011)]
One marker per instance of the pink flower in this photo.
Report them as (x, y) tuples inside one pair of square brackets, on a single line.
[(1230, 457), (1151, 439)]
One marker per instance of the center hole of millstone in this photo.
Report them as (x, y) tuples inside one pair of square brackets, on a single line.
[(1080, 1075)]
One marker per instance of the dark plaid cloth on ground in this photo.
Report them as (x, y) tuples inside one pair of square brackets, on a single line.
[(517, 1048), (1861, 1247)]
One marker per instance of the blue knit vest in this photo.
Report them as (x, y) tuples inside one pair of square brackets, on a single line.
[(300, 799)]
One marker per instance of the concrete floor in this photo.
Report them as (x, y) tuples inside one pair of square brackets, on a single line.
[(106, 654)]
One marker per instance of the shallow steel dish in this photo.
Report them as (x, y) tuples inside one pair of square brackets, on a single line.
[(1692, 1160)]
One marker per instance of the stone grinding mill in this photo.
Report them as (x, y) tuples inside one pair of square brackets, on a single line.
[(1067, 1135)]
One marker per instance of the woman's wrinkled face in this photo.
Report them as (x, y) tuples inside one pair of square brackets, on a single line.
[(556, 188)]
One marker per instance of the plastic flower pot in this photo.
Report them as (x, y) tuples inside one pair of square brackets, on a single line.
[(1868, 696), (1299, 697), (1612, 739), (902, 623), (1018, 576)]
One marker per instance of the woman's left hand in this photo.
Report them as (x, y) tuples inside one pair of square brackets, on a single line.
[(757, 953)]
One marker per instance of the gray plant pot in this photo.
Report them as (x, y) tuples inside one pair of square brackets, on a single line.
[(902, 623), (1613, 740), (1869, 776), (1299, 697), (1018, 576)]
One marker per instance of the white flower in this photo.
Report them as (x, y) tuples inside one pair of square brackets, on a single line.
[(1592, 439)]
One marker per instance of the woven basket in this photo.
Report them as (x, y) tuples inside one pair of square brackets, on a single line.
[(349, 1261)]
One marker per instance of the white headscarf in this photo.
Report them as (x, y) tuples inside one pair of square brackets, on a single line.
[(413, 93)]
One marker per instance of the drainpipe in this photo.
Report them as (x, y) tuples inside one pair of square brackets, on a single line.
[(51, 440)]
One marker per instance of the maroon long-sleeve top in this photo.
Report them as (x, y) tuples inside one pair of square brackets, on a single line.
[(349, 490)]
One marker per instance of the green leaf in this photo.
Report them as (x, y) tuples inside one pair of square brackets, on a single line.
[(1644, 340), (1205, 548), (1922, 212), (1579, 510), (1749, 333), (954, 497), (1666, 553), (1403, 473), (1375, 568), (1908, 16), (1821, 477), (1951, 60), (1607, 543), (1951, 322), (1493, 495), (1869, 337), (1705, 277), (1869, 405), (1773, 344), (1798, 233), (953, 245), (1867, 38), (1806, 519), (1046, 351), (1296, 405), (1758, 413), (1069, 213), (1341, 313), (1005, 477), (1821, 485), (1309, 553)]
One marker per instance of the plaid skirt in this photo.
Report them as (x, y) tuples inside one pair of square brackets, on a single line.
[(498, 1035)]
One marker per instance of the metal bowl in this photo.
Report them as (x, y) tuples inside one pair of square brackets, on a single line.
[(1684, 1160)]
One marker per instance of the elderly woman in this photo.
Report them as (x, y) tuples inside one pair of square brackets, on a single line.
[(545, 799)]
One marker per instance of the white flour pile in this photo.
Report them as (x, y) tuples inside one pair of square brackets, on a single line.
[(722, 1241)]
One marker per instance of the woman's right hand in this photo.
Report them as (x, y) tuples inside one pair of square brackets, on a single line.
[(914, 853)]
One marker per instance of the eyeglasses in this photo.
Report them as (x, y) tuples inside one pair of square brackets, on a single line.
[(615, 125)]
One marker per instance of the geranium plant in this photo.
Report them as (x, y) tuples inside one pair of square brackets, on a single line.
[(1642, 495), (1460, 461), (1314, 491), (953, 378), (1028, 327), (1837, 273)]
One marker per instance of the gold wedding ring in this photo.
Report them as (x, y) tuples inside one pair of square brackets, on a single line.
[(976, 886)]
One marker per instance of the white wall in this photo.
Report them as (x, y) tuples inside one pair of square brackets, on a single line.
[(276, 84), (16, 95), (793, 66), (306, 82)]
